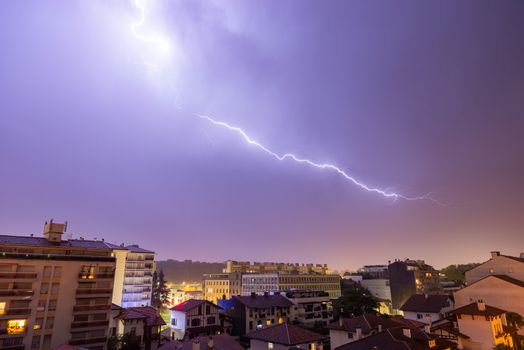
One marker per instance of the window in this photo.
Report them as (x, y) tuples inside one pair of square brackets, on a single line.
[(35, 342), (211, 320), (41, 305), (133, 330), (195, 322), (52, 305), (47, 341), (16, 326), (54, 288), (208, 309), (270, 346), (38, 324), (419, 316), (250, 325), (58, 271), (47, 271), (173, 322), (44, 288), (200, 310), (2, 308), (49, 323)]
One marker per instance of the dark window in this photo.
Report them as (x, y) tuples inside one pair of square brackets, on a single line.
[(208, 309), (211, 320), (195, 322)]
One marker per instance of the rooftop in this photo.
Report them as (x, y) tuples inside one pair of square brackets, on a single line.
[(147, 313), (220, 342), (263, 301), (479, 309), (286, 334), (191, 304), (431, 303), (367, 323)]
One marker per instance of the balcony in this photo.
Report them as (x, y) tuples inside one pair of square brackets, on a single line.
[(16, 292), (89, 324), (18, 275), (81, 308), (91, 291), (87, 341), (91, 276), (17, 312)]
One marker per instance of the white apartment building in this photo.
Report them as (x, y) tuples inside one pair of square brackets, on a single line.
[(259, 283)]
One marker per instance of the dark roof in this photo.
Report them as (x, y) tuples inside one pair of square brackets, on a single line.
[(394, 339), (147, 313), (191, 304), (514, 258), (43, 242), (408, 323), (509, 280), (473, 309), (264, 301), (286, 334), (367, 323), (220, 342), (136, 249), (432, 303)]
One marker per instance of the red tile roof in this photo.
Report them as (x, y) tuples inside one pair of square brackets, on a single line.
[(264, 301), (286, 334), (191, 304), (147, 313), (367, 323)]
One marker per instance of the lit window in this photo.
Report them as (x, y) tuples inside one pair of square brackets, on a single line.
[(2, 308), (16, 326), (270, 346)]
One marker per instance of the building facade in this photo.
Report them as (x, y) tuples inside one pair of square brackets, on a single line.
[(222, 286), (54, 291), (310, 309), (273, 267), (194, 318)]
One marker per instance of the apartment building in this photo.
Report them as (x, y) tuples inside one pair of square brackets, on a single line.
[(54, 291), (410, 277), (309, 308), (273, 267), (222, 286), (313, 282), (133, 276)]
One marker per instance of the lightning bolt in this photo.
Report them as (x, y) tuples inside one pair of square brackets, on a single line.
[(163, 43)]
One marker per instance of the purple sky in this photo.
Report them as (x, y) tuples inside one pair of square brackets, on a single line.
[(411, 96)]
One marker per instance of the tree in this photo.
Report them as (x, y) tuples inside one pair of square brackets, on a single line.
[(502, 347), (160, 292), (457, 272), (516, 321), (355, 301), (128, 341)]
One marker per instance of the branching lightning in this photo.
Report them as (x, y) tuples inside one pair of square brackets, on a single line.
[(163, 44)]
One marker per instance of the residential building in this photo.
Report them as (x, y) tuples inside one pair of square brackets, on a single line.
[(222, 286), (427, 308), (273, 267), (310, 309), (215, 342), (498, 264), (143, 322), (249, 313), (54, 291), (194, 318), (133, 276), (484, 325), (410, 277), (399, 339), (259, 283), (284, 336)]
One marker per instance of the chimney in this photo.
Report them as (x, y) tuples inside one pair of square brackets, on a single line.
[(522, 255), (53, 232), (379, 327), (210, 344), (358, 333), (481, 305), (196, 345), (406, 332), (494, 254)]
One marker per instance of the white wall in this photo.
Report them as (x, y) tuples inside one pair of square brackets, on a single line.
[(180, 328)]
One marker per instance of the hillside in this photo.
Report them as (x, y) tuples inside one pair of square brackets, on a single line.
[(190, 271)]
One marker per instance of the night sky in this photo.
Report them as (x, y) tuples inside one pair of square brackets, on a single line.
[(407, 96)]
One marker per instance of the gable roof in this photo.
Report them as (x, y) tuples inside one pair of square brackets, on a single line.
[(474, 309), (505, 278), (220, 342), (263, 301), (147, 313), (431, 303), (191, 304), (394, 339), (286, 334), (367, 323)]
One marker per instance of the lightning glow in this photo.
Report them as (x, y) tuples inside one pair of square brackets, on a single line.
[(163, 44)]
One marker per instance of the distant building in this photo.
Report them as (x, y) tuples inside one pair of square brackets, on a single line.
[(194, 318), (54, 290), (259, 283), (310, 308), (427, 308), (284, 337), (273, 267), (249, 313), (411, 277), (484, 325), (222, 286)]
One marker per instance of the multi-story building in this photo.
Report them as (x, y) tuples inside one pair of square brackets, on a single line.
[(256, 311), (133, 276), (272, 267), (143, 322), (259, 283), (309, 308), (313, 282), (54, 291), (411, 277), (222, 286)]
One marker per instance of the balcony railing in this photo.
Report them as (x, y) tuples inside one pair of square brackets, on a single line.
[(90, 276), (87, 341), (18, 275), (16, 292), (89, 324), (89, 291), (90, 307), (16, 312)]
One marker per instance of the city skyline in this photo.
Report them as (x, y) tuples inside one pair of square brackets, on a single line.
[(99, 129)]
